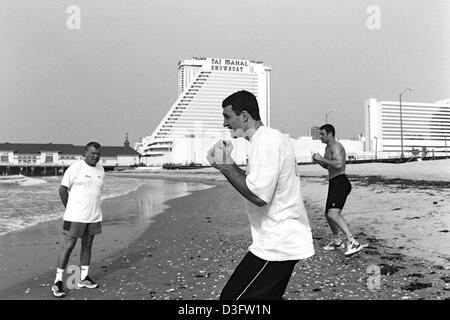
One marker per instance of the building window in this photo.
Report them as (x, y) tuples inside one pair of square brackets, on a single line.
[(49, 158), (27, 158), (4, 157)]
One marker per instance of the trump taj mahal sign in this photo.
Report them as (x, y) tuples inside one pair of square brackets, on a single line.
[(230, 65)]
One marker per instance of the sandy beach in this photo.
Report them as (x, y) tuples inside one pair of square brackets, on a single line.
[(189, 250)]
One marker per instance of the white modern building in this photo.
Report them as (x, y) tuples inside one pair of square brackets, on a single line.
[(194, 122), (418, 127)]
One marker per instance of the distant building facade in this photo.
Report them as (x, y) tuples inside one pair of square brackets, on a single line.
[(34, 155), (304, 147), (426, 127)]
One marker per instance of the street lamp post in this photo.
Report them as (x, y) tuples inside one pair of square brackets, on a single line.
[(401, 121), (326, 115), (376, 147)]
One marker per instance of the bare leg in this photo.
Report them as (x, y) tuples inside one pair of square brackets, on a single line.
[(64, 251), (86, 249), (333, 226), (335, 220)]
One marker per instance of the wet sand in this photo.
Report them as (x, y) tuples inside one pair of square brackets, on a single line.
[(190, 250)]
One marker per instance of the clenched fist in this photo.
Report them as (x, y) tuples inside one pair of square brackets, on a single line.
[(220, 153)]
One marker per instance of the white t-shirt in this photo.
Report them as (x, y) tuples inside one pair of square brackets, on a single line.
[(280, 229), (85, 184)]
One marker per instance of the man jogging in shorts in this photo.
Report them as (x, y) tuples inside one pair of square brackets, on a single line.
[(339, 189), (80, 192)]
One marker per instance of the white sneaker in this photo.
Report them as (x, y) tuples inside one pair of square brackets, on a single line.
[(58, 289), (333, 246), (354, 247), (87, 283)]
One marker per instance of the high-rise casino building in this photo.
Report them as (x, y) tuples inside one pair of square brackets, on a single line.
[(194, 122)]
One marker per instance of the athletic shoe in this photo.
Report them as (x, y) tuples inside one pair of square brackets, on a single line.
[(58, 289), (354, 247), (333, 245), (87, 283)]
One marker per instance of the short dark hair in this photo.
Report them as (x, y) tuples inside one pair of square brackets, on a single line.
[(94, 144), (243, 100), (328, 128)]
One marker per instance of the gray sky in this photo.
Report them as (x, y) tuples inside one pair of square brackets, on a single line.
[(118, 73)]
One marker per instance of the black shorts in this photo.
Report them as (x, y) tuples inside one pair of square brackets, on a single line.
[(80, 229), (338, 191), (258, 279)]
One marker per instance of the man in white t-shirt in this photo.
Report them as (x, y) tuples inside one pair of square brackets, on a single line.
[(279, 223), (80, 192)]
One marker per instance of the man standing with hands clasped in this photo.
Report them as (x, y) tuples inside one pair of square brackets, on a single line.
[(80, 192), (281, 234), (338, 190)]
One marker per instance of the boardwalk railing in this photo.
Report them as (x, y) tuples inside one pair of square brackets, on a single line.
[(384, 157)]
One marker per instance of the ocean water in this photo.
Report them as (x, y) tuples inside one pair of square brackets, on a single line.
[(31, 200)]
